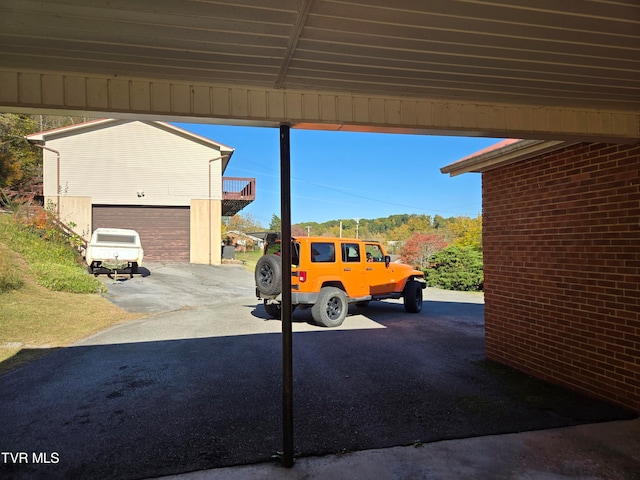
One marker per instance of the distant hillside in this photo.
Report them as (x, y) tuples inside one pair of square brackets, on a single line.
[(392, 228)]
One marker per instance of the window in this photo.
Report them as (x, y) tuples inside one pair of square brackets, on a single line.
[(115, 238), (350, 252), (323, 252), (374, 253), (274, 249), (295, 253)]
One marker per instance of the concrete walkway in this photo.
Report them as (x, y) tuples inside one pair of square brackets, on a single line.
[(607, 451)]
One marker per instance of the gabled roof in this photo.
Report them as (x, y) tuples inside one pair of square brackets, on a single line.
[(502, 153), (242, 234), (41, 138), (70, 129)]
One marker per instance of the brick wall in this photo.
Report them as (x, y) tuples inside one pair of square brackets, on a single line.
[(561, 239)]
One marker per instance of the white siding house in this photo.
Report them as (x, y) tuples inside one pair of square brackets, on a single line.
[(153, 177)]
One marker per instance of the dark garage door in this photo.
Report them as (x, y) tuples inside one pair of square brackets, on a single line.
[(164, 231)]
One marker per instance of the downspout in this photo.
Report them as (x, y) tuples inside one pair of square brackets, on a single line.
[(220, 157), (43, 147)]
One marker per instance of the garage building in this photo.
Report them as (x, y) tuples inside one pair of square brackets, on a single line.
[(153, 177)]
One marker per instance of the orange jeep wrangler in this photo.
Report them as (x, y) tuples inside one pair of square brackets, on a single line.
[(329, 273)]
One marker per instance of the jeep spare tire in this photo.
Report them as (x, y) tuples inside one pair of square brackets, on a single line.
[(268, 275)]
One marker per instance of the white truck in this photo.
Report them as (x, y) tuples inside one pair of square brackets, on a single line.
[(114, 250)]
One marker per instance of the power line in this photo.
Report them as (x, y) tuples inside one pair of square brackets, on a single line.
[(352, 194)]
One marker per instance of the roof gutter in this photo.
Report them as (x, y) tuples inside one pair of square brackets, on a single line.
[(515, 152)]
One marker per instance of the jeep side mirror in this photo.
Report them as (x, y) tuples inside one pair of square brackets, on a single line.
[(387, 260)]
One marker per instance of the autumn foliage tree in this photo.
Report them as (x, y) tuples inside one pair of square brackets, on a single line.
[(241, 223), (18, 161), (467, 232), (419, 247)]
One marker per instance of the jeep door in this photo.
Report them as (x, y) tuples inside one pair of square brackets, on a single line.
[(322, 267), (353, 277), (378, 276)]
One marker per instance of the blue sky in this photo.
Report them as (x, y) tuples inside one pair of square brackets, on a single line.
[(347, 175)]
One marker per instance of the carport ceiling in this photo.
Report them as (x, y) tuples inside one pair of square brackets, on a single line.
[(583, 54)]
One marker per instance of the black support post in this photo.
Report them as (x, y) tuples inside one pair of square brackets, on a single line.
[(287, 335)]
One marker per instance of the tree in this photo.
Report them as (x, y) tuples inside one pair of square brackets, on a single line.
[(49, 122), (439, 222), (467, 232), (332, 231), (419, 247), (19, 161), (276, 223), (298, 231), (242, 223), (456, 268), (413, 224)]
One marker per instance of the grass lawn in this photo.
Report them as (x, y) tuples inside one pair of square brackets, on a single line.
[(250, 259), (35, 318)]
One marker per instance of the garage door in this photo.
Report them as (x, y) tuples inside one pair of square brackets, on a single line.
[(164, 231)]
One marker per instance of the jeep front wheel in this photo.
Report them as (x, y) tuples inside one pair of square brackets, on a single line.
[(331, 308), (274, 310), (412, 296), (268, 274)]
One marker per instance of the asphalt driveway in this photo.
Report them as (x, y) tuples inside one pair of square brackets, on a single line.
[(196, 384)]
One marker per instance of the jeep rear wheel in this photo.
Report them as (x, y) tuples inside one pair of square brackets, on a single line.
[(412, 296), (331, 308), (268, 275)]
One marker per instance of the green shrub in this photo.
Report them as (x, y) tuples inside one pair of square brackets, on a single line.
[(61, 277), (456, 268)]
